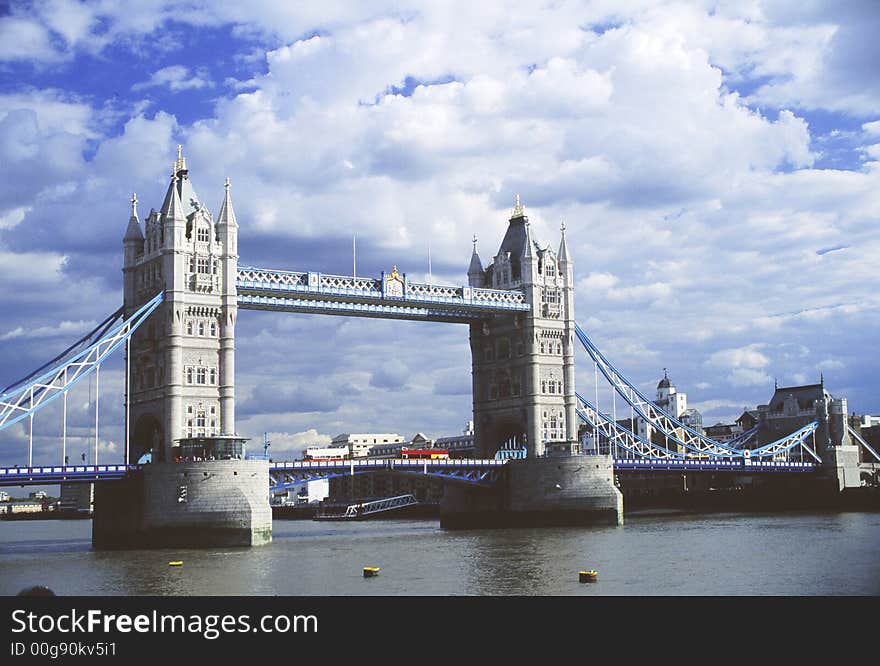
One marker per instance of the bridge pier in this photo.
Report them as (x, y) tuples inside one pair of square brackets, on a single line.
[(538, 492), (205, 504)]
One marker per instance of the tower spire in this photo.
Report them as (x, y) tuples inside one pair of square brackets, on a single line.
[(518, 210), (226, 216), (133, 232), (475, 270), (180, 164), (562, 255), (172, 208)]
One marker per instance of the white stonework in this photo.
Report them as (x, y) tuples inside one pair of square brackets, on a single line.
[(523, 365), (182, 361)]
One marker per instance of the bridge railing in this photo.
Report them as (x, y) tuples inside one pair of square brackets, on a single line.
[(253, 281)]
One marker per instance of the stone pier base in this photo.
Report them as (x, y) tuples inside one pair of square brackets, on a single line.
[(185, 505), (576, 490)]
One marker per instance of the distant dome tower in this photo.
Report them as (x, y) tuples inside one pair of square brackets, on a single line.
[(668, 398)]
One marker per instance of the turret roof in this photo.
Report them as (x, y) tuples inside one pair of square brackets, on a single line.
[(133, 232)]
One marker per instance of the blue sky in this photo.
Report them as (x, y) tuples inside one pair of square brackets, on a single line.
[(716, 164)]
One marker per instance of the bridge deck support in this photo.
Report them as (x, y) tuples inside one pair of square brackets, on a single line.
[(571, 490), (185, 505)]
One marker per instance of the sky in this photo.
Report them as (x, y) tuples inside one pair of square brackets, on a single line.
[(716, 164)]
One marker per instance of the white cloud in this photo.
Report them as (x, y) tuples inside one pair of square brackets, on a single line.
[(14, 217), (698, 219), (744, 357), (70, 329), (177, 78)]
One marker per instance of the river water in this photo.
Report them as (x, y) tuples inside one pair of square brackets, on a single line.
[(716, 554)]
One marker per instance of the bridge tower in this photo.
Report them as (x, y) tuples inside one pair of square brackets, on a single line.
[(182, 363), (198, 489), (524, 397), (523, 365)]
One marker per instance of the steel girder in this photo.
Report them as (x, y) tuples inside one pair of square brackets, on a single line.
[(464, 470), (269, 289), (35, 394)]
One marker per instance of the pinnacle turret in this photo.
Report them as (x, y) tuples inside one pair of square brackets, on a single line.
[(562, 255), (133, 232), (172, 207), (475, 270), (226, 217)]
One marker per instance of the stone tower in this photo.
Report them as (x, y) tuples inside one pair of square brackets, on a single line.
[(182, 380), (523, 365)]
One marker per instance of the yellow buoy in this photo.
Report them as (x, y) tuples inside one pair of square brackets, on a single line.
[(369, 572), (176, 563), (588, 576)]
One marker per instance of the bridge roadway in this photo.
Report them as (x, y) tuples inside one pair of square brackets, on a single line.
[(392, 297), (467, 470)]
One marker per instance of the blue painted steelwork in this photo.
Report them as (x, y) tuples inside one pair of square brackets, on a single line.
[(630, 441), (33, 395), (364, 509), (670, 427), (510, 451), (641, 405), (740, 440), (861, 440), (267, 289), (95, 334), (623, 437), (284, 475), (696, 465), (48, 474)]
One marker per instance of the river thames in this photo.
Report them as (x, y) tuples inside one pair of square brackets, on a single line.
[(793, 553)]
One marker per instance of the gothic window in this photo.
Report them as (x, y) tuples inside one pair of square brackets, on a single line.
[(189, 375), (543, 347), (201, 328), (200, 419), (189, 327), (201, 375), (202, 235), (213, 410), (550, 269), (213, 329), (543, 386), (551, 295), (504, 385), (212, 376), (203, 265)]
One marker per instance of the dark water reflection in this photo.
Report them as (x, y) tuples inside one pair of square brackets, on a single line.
[(721, 554)]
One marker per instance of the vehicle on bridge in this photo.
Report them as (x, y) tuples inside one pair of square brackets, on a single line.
[(424, 454)]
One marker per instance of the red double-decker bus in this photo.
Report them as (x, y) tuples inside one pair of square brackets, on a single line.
[(424, 454)]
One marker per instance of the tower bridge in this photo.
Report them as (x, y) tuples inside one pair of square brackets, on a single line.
[(183, 290)]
